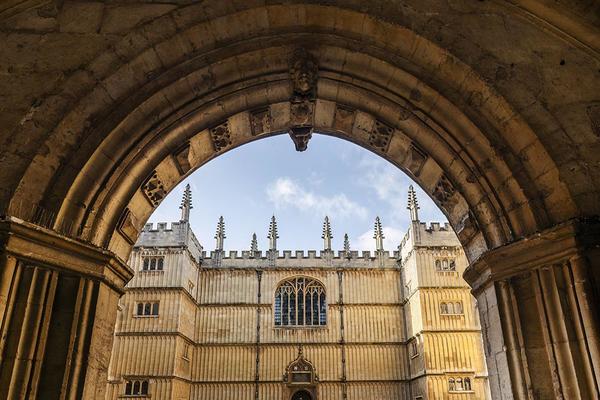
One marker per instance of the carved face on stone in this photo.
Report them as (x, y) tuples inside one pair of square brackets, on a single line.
[(303, 72)]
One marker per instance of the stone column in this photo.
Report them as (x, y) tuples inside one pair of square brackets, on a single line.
[(58, 305), (538, 304)]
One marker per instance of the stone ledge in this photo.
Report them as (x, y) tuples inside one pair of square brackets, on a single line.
[(41, 246), (551, 246)]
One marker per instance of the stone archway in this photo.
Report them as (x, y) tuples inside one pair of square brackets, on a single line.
[(195, 83), (302, 395)]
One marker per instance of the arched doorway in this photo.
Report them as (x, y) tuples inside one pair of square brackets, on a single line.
[(302, 395), (111, 140)]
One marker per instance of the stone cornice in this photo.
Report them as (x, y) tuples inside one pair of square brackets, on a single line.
[(552, 246), (44, 247)]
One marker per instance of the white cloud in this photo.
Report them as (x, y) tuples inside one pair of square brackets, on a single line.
[(285, 192), (391, 186), (365, 241)]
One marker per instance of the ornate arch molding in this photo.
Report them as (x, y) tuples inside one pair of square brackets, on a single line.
[(185, 80)]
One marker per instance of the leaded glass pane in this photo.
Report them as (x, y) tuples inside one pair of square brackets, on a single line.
[(300, 302)]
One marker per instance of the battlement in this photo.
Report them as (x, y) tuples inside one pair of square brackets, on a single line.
[(437, 227), (175, 234), (299, 259), (300, 254), (161, 227)]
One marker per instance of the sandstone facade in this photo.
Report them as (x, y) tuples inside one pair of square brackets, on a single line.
[(398, 325), (491, 106)]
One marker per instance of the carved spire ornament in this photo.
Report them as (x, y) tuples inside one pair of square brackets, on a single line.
[(347, 252), (220, 235), (186, 204), (413, 204), (378, 235), (254, 245), (326, 236), (303, 74), (273, 235)]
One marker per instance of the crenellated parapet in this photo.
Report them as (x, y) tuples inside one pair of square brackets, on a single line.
[(300, 259)]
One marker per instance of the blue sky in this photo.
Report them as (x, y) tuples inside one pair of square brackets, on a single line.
[(333, 177)]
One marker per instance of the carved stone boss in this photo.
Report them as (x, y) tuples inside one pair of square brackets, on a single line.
[(304, 75)]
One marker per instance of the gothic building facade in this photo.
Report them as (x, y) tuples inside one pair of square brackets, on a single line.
[(296, 325)]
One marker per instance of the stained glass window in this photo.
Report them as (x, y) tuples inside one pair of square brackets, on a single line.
[(300, 301)]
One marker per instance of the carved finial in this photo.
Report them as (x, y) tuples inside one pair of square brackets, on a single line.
[(254, 244), (273, 236), (186, 204), (220, 235), (378, 236), (326, 236), (347, 246), (303, 74), (413, 204), (300, 351)]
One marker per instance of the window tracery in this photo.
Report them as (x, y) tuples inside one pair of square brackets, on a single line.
[(153, 263), (459, 384), (300, 301), (445, 264), (147, 309), (136, 388), (451, 308)]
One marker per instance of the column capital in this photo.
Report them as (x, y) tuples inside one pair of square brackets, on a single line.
[(44, 247), (554, 245)]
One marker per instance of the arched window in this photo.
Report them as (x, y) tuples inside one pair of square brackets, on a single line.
[(300, 301), (136, 388), (444, 264), (458, 308), (144, 387), (467, 384), (438, 265), (452, 265), (450, 308), (443, 308), (459, 384), (451, 386)]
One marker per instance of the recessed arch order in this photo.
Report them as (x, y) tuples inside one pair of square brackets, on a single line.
[(183, 91), (492, 107)]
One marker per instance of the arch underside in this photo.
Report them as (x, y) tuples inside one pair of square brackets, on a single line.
[(177, 93)]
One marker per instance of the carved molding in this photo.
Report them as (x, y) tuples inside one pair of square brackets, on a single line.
[(444, 193), (552, 246), (303, 74), (128, 226), (43, 247), (416, 159), (343, 119), (221, 136), (154, 190), (302, 112), (381, 136), (260, 121), (182, 160), (467, 228)]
